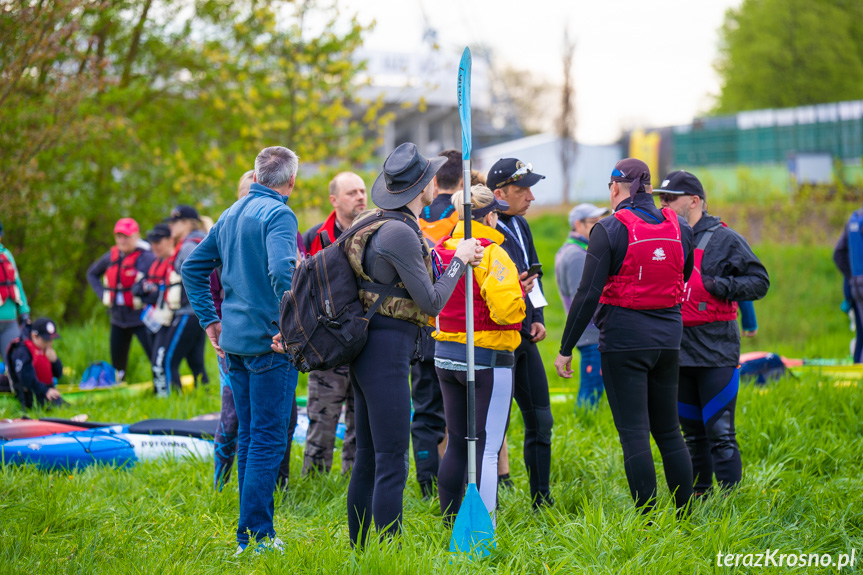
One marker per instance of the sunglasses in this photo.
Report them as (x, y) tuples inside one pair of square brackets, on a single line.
[(668, 198), (522, 171)]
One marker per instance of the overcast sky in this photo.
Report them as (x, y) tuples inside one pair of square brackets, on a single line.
[(638, 63)]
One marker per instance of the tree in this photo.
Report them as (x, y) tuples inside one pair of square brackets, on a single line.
[(159, 102), (566, 124), (784, 53)]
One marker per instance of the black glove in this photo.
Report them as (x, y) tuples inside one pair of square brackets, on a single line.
[(24, 319), (709, 284)]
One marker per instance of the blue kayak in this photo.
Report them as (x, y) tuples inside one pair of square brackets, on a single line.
[(113, 445)]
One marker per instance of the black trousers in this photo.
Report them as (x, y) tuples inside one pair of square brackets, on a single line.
[(707, 401), (530, 391), (171, 345), (121, 341), (642, 393), (428, 427), (382, 414)]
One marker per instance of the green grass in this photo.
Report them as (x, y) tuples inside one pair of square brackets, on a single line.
[(801, 441)]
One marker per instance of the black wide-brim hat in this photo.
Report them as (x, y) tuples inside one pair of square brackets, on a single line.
[(405, 175)]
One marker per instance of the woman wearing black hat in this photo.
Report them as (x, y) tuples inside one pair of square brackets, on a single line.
[(380, 254), (637, 263), (184, 337)]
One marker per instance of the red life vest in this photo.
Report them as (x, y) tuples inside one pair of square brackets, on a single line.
[(120, 276), (651, 276), (158, 272), (44, 373), (8, 279), (700, 306), (452, 318), (330, 227), (175, 295)]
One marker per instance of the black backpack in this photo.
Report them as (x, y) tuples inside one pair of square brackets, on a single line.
[(321, 318)]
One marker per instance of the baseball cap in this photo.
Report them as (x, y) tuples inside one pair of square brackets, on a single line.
[(585, 211), (159, 232), (45, 328), (681, 183), (126, 226), (497, 205), (511, 171), (183, 212)]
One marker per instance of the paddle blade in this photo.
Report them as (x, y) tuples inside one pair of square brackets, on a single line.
[(472, 532), (464, 102)]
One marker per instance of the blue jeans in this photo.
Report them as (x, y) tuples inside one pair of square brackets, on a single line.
[(591, 388), (263, 387)]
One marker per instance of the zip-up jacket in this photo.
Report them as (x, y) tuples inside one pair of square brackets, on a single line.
[(730, 271)]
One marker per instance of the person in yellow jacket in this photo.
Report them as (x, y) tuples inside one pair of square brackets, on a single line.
[(498, 311)]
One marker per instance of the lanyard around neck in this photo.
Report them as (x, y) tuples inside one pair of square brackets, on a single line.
[(516, 236)]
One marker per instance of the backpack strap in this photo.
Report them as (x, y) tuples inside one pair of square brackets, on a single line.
[(705, 239), (383, 293)]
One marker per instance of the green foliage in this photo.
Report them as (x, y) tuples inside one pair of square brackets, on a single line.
[(172, 101), (785, 53)]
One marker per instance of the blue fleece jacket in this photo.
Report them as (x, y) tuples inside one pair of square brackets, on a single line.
[(255, 242)]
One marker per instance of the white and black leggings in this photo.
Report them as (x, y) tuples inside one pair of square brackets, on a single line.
[(493, 400)]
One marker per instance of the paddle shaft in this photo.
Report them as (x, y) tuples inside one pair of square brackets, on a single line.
[(471, 368)]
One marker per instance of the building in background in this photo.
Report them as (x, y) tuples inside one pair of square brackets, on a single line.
[(589, 173)]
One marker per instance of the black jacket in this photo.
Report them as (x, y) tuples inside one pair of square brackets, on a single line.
[(512, 246), (737, 275), (21, 363), (121, 316)]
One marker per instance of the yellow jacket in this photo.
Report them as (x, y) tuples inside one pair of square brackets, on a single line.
[(500, 288)]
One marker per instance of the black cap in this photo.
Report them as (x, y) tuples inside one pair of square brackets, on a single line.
[(681, 183), (45, 328), (183, 213), (159, 232), (511, 171)]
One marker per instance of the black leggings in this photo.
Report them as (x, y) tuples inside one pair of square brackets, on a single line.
[(172, 344), (121, 341), (642, 393), (428, 427), (382, 405), (493, 400), (708, 397), (530, 390)]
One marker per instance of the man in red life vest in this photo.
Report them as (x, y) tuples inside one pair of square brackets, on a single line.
[(726, 271), (637, 263), (35, 365), (112, 277), (330, 389)]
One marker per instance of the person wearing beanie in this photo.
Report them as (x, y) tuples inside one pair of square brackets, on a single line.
[(638, 286), (112, 277), (14, 310), (727, 272)]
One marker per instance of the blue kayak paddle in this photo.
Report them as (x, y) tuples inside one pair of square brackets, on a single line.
[(473, 531)]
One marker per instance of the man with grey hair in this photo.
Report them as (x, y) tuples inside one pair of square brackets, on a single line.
[(255, 242), (568, 269)]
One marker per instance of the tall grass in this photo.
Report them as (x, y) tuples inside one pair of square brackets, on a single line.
[(801, 441)]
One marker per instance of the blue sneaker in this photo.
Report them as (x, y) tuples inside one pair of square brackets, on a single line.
[(263, 547)]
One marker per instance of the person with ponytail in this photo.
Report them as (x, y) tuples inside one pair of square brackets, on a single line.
[(499, 309)]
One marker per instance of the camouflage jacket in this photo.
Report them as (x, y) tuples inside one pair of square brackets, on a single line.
[(399, 305)]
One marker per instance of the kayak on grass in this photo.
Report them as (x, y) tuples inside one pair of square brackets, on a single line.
[(114, 445)]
